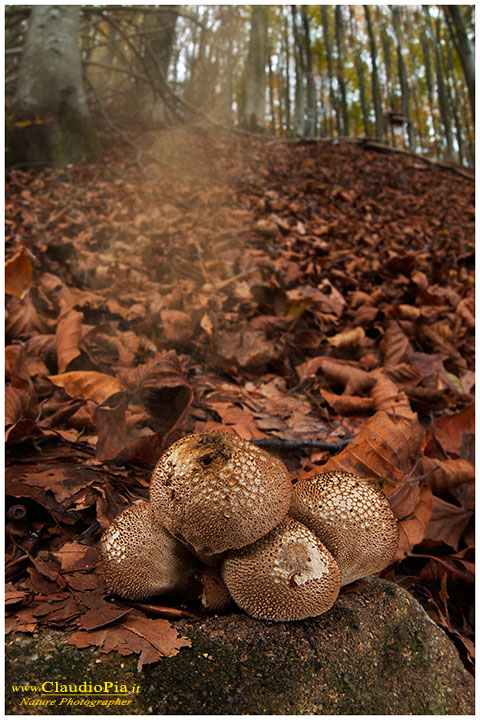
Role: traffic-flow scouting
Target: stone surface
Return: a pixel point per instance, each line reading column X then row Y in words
column 375, row 652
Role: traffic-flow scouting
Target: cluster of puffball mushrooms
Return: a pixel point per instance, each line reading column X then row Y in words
column 224, row 522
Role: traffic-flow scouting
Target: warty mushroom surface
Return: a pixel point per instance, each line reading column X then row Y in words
column 351, row 517
column 215, row 491
column 286, row 575
column 139, row 558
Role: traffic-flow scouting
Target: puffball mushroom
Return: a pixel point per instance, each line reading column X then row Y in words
column 215, row 491
column 139, row 558
column 286, row 575
column 351, row 517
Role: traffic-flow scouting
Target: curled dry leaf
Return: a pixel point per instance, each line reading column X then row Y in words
column 387, row 398
column 88, row 385
column 68, row 338
column 352, row 378
column 18, row 274
column 347, row 404
column 348, row 338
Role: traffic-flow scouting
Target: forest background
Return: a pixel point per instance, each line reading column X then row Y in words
column 253, row 218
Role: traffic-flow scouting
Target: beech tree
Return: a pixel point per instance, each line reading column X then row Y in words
column 255, row 81
column 49, row 119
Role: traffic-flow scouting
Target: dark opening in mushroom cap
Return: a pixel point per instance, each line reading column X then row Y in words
column 286, row 575
column 351, row 517
column 216, row 491
column 139, row 558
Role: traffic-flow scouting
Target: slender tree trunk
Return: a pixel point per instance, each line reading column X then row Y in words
column 271, row 93
column 286, row 47
column 340, row 38
column 328, row 51
column 452, row 100
column 377, row 97
column 255, row 81
column 299, row 75
column 159, row 37
column 442, row 97
column 426, row 50
column 311, row 124
column 50, row 122
column 402, row 72
column 360, row 71
column 465, row 50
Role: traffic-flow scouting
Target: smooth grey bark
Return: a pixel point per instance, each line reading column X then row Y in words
column 311, row 119
column 340, row 39
column 50, row 91
column 376, row 94
column 465, row 50
column 255, row 80
column 402, row 72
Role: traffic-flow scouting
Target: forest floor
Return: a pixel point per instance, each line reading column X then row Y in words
column 292, row 293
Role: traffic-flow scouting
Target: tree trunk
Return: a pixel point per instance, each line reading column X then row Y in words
column 340, row 38
column 159, row 27
column 453, row 101
column 255, row 82
column 376, row 94
column 286, row 46
column 402, row 72
column 311, row 123
column 299, row 75
column 360, row 71
column 465, row 50
column 328, row 52
column 442, row 97
column 49, row 122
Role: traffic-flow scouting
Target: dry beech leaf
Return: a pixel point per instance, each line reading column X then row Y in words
column 22, row 318
column 385, row 449
column 455, row 433
column 387, row 398
column 347, row 404
column 444, row 475
column 395, row 345
column 178, row 326
column 447, row 522
column 18, row 274
column 88, row 385
column 413, row 529
column 348, row 338
column 352, row 378
column 68, row 337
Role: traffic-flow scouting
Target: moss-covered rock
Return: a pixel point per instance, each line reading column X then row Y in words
column 375, row 652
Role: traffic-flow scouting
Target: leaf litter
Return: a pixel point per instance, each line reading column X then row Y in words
column 288, row 292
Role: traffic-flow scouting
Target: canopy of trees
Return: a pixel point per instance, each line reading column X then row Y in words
column 401, row 74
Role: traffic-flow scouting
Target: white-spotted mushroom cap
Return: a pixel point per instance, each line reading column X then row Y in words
column 139, row 558
column 215, row 491
column 286, row 575
column 351, row 517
